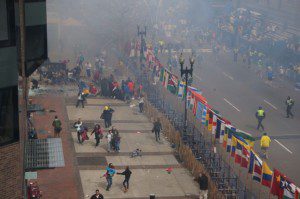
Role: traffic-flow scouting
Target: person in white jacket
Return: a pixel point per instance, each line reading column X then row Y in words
column 109, row 137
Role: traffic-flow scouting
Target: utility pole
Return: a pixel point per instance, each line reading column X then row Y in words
column 143, row 42
column 23, row 120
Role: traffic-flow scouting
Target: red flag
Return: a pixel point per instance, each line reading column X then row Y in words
column 246, row 156
column 276, row 188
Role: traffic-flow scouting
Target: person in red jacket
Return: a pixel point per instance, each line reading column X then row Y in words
column 131, row 88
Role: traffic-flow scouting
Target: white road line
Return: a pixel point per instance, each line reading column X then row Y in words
column 198, row 77
column 274, row 107
column 231, row 105
column 227, row 75
column 283, row 146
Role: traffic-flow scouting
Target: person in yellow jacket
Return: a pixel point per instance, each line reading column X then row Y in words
column 265, row 144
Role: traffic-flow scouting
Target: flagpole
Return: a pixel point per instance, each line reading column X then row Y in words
column 271, row 185
column 259, row 191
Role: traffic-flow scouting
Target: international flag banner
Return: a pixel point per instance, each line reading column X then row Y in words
column 207, row 118
column 246, row 136
column 289, row 190
column 214, row 124
column 283, row 187
column 172, row 83
column 266, row 175
column 162, row 74
column 199, row 111
column 222, row 133
column 229, row 133
column 218, row 128
column 225, row 139
column 238, row 154
column 245, row 156
column 233, row 146
column 204, row 113
column 192, row 102
column 166, row 78
column 257, row 171
column 181, row 89
column 210, row 120
column 251, row 162
column 297, row 193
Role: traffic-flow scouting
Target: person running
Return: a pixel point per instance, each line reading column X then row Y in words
column 156, row 129
column 80, row 99
column 110, row 172
column 57, row 126
column 265, row 144
column 260, row 115
column 97, row 195
column 98, row 134
column 78, row 126
column 289, row 105
column 127, row 173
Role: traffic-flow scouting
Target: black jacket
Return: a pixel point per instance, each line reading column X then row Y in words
column 127, row 173
column 156, row 127
column 203, row 182
column 95, row 197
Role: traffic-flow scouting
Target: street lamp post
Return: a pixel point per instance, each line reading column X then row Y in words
column 143, row 42
column 186, row 72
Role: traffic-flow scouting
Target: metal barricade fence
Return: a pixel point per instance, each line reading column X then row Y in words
column 197, row 139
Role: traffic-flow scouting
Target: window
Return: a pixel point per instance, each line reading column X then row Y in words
column 9, row 122
column 7, row 23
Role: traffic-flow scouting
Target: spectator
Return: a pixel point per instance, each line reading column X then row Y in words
column 156, row 129
column 80, row 99
column 110, row 113
column 110, row 172
column 106, row 115
column 98, row 134
column 127, row 173
column 203, row 185
column 88, row 66
column 97, row 195
column 57, row 126
column 78, row 125
column 109, row 138
column 141, row 104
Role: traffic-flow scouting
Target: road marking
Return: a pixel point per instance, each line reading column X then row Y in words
column 231, row 105
column 198, row 77
column 274, row 107
column 227, row 75
column 283, row 146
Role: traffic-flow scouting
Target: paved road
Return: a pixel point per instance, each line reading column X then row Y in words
column 237, row 92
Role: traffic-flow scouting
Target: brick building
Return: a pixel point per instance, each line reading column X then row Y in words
column 13, row 132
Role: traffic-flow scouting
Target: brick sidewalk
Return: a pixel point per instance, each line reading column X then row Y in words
column 62, row 182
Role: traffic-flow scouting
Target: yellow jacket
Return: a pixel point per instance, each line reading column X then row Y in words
column 265, row 141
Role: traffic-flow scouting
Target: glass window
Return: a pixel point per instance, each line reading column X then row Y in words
column 9, row 125
column 3, row 21
column 7, row 23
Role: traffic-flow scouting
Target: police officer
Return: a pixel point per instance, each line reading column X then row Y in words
column 260, row 115
column 289, row 104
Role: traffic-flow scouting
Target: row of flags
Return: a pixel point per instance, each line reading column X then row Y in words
column 239, row 144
